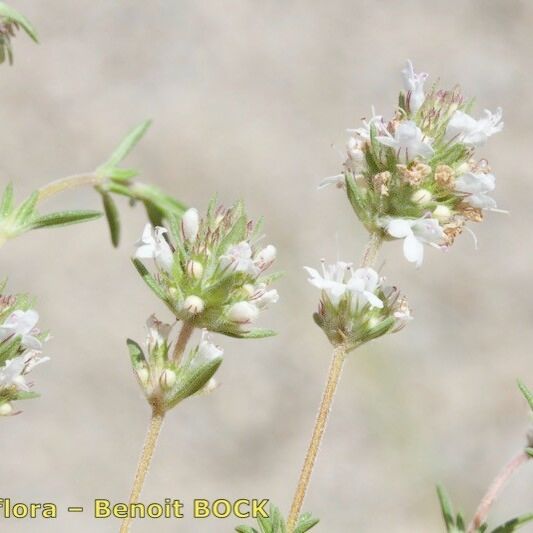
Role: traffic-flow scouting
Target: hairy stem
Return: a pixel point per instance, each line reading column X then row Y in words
column 144, row 462
column 495, row 489
column 335, row 370
column 183, row 338
column 68, row 183
column 334, row 374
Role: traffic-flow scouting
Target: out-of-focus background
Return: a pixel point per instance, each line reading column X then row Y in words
column 250, row 99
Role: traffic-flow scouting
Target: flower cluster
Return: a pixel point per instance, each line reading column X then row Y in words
column 415, row 177
column 210, row 271
column 355, row 307
column 165, row 375
column 20, row 349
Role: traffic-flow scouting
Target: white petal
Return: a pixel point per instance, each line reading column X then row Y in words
column 399, row 228
column 413, row 250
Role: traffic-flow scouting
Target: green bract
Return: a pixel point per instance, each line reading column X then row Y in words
column 275, row 523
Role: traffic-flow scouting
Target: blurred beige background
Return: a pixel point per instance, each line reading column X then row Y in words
column 247, row 100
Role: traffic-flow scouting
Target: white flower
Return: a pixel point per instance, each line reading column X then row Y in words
column 265, row 257
column 364, row 132
column 194, row 269
column 415, row 233
column 414, row 85
column 331, row 281
column 21, row 323
column 243, row 312
column 153, row 245
column 408, row 142
column 476, row 186
column 238, row 258
column 262, row 298
column 338, row 180
column 467, row 130
column 362, row 286
column 14, row 370
column 158, row 332
column 207, row 351
column 190, row 223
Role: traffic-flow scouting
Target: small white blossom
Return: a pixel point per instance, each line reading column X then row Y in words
column 167, row 379
column 207, row 351
column 262, row 298
column 416, row 233
column 477, row 186
column 331, row 281
column 362, row 286
column 265, row 257
column 408, row 141
column 364, row 132
column 338, row 181
column 414, row 85
column 190, row 223
column 6, row 409
column 14, row 370
column 153, row 245
column 158, row 332
column 243, row 312
column 23, row 324
column 195, row 269
column 467, row 130
column 238, row 258
column 194, row 305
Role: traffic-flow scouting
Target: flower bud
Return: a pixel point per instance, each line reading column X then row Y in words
column 243, row 312
column 193, row 305
column 6, row 409
column 421, row 197
column 442, row 213
column 144, row 375
column 195, row 269
column 266, row 257
column 167, row 379
column 190, row 223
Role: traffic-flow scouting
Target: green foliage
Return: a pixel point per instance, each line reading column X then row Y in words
column 10, row 22
column 528, row 395
column 15, row 220
column 275, row 523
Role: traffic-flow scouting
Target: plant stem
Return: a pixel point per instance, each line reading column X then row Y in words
column 334, row 374
column 68, row 183
column 144, row 462
column 495, row 489
column 183, row 338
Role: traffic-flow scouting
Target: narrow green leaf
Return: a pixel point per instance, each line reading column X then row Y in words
column 136, row 353
column 112, row 216
column 127, row 144
column 26, row 395
column 64, row 218
column 446, row 508
column 246, row 529
column 195, row 381
column 26, row 209
column 7, row 201
column 149, row 279
column 256, row 333
column 514, row 524
column 305, row 524
column 528, row 395
column 10, row 13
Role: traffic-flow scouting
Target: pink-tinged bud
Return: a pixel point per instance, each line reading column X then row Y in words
column 167, row 379
column 243, row 312
column 190, row 223
column 193, row 304
column 266, row 257
column 6, row 409
column 195, row 269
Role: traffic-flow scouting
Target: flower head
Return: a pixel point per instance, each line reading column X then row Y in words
column 354, row 307
column 206, row 281
column 467, row 130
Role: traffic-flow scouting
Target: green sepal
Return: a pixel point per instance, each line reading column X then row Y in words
column 26, row 395
column 113, row 217
column 26, row 210
column 194, row 381
column 64, row 218
column 514, row 524
column 7, row 201
column 305, row 523
column 149, row 279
